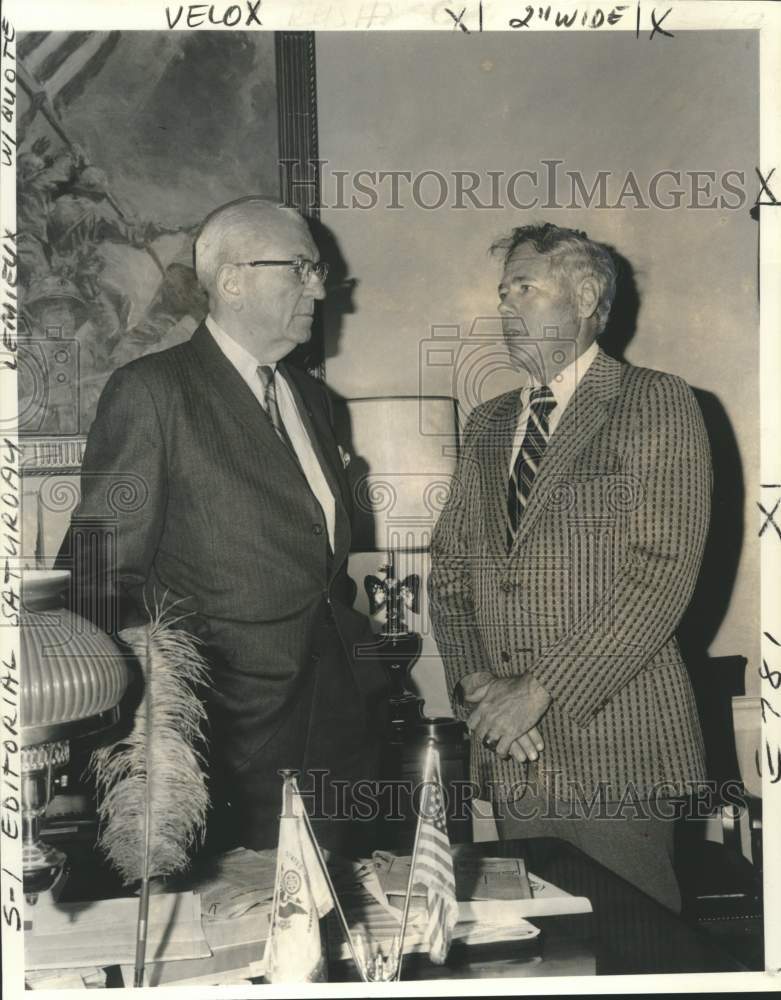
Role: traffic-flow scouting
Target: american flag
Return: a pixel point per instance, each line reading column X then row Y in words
column 434, row 867
column 60, row 64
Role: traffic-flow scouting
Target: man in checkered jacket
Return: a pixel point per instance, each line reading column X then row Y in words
column 561, row 567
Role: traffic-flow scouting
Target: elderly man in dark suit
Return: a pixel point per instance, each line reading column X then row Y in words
column 241, row 514
column 561, row 567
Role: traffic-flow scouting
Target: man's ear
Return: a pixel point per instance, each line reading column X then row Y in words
column 588, row 297
column 227, row 285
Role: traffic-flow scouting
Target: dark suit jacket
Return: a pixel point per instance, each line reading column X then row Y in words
column 589, row 598
column 192, row 497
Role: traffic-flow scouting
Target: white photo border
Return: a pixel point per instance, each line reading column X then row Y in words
column 394, row 15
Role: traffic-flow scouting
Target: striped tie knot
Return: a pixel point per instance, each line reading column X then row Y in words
column 266, row 375
column 528, row 459
column 542, row 401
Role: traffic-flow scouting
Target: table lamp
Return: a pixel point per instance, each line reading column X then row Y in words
column 404, row 451
column 73, row 678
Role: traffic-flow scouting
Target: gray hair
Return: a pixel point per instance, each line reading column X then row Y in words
column 226, row 231
column 572, row 254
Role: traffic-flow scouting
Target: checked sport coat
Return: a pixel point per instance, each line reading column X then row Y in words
column 589, row 597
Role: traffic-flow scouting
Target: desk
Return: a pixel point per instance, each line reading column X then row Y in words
column 627, row 934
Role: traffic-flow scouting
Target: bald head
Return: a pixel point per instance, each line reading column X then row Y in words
column 269, row 309
column 233, row 229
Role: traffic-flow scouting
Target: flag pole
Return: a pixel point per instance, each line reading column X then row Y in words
column 408, row 896
column 326, row 873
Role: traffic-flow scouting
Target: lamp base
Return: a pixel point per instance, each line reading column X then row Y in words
column 406, row 712
column 401, row 768
column 399, row 652
column 42, row 866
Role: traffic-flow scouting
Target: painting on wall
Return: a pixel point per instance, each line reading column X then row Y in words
column 126, row 141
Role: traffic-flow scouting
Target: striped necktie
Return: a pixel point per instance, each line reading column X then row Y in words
column 541, row 403
column 266, row 376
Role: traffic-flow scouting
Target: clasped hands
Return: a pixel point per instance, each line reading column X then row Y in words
column 506, row 714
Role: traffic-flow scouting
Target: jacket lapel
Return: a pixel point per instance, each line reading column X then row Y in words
column 497, row 432
column 585, row 414
column 328, row 457
column 236, row 394
column 242, row 404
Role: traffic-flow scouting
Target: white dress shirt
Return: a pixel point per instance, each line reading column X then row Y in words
column 563, row 388
column 247, row 366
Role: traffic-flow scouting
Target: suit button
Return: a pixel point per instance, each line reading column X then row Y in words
column 506, row 586
column 505, row 656
column 317, row 529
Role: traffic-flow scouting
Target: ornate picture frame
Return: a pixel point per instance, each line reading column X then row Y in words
column 53, row 354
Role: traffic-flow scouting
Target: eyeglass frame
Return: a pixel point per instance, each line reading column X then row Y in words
column 317, row 267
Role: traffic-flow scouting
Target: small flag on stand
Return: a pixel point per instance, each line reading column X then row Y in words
column 301, row 897
column 431, row 857
column 435, row 866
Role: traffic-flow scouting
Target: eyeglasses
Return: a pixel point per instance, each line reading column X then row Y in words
column 301, row 266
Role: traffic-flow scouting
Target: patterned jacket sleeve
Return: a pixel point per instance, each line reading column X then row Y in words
column 452, row 608
column 628, row 622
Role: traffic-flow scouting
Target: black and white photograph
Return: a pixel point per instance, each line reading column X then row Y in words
column 391, row 503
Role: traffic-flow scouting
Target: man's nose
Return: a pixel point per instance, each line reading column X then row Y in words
column 315, row 287
column 505, row 309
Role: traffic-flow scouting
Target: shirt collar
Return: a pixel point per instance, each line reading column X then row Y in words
column 564, row 385
column 239, row 357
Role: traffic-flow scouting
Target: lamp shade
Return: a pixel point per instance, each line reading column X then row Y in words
column 402, row 456
column 73, row 675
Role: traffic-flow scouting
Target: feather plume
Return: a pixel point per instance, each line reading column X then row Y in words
column 152, row 786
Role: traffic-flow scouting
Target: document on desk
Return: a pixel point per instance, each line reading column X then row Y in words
column 235, row 882
column 490, row 878
column 489, row 920
column 476, row 877
column 548, row 900
column 72, row 935
column 479, row 922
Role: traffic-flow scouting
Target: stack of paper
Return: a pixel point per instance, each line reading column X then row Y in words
column 235, row 882
column 482, row 922
column 65, row 979
column 235, row 944
column 101, row 933
column 367, row 909
column 218, row 934
column 376, row 922
column 477, row 924
column 548, row 900
column 236, row 891
column 496, row 886
column 213, row 935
